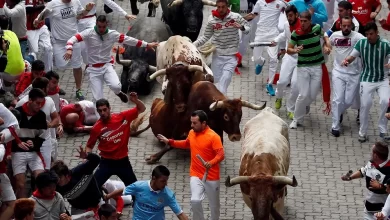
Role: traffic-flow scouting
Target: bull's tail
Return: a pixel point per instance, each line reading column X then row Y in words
column 134, row 132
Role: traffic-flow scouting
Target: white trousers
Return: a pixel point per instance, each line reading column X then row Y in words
column 40, row 38
column 83, row 24
column 309, row 80
column 369, row 215
column 100, row 75
column 367, row 90
column 7, row 192
column 246, row 38
column 59, row 51
column 267, row 35
column 198, row 191
column 288, row 74
column 46, row 151
column 345, row 89
column 330, row 8
column 223, row 69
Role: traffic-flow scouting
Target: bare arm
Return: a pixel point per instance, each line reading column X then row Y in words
column 182, row 216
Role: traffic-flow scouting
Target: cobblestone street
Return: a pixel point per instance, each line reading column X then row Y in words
column 317, row 158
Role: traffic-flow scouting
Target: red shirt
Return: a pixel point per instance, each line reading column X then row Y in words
column 31, row 16
column 386, row 26
column 67, row 109
column 24, row 81
column 295, row 26
column 362, row 9
column 113, row 136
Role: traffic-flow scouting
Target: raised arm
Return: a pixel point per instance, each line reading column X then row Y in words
column 208, row 33
column 15, row 12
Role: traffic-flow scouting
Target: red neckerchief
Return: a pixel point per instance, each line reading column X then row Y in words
column 56, row 90
column 299, row 31
column 295, row 26
column 269, row 1
column 38, row 195
column 27, row 110
column 215, row 13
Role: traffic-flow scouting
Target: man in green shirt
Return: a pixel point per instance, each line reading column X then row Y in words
column 374, row 52
column 306, row 41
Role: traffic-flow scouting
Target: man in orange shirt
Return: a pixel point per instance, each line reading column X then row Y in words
column 205, row 142
column 113, row 133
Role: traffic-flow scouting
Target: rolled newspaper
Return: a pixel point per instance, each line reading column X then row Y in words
column 260, row 44
column 207, row 169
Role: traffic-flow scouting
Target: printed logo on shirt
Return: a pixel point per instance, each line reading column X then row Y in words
column 113, row 135
column 67, row 13
column 160, row 200
column 217, row 26
column 342, row 42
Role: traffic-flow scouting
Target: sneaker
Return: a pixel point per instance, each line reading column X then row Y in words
column 362, row 138
column 358, row 117
column 270, row 90
column 62, row 92
column 335, row 133
column 259, row 68
column 79, row 95
column 278, row 103
column 384, row 136
column 294, row 124
column 123, row 97
column 290, row 115
column 307, row 109
column 341, row 118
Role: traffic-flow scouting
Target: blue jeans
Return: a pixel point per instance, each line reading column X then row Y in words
column 24, row 48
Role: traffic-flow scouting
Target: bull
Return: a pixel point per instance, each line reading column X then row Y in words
column 265, row 160
column 137, row 62
column 178, row 57
column 224, row 115
column 184, row 17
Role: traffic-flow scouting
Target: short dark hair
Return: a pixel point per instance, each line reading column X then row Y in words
column 224, row 1
column 382, row 150
column 45, row 179
column 346, row 18
column 8, row 99
column 102, row 102
column 60, row 168
column 160, row 171
column 370, row 26
column 106, row 210
column 201, row 114
column 23, row 207
column 35, row 94
column 305, row 14
column 101, row 18
column 52, row 74
column 37, row 65
column 345, row 4
column 4, row 22
column 291, row 8
column 40, row 83
column 17, row 114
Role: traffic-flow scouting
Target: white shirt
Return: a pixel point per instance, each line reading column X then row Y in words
column 48, row 108
column 269, row 12
column 343, row 46
column 18, row 18
column 90, row 113
column 63, row 19
column 100, row 46
column 8, row 118
column 386, row 208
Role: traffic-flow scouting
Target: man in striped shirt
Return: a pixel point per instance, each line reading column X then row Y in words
column 222, row 27
column 374, row 52
column 306, row 42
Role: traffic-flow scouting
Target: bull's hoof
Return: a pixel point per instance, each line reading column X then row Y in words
column 152, row 159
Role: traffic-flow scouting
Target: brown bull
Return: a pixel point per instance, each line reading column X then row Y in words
column 224, row 115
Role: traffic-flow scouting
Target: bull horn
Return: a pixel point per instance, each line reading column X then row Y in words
column 175, row 2
column 215, row 105
column 156, row 74
column 152, row 69
column 193, row 68
column 236, row 180
column 121, row 62
column 210, row 3
column 253, row 106
column 285, row 180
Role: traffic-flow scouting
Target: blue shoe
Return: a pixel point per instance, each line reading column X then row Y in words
column 259, row 68
column 270, row 90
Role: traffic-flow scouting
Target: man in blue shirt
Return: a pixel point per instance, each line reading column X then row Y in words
column 316, row 8
column 151, row 196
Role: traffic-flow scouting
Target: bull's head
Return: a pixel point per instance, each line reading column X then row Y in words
column 263, row 192
column 181, row 78
column 231, row 111
column 193, row 12
column 138, row 71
